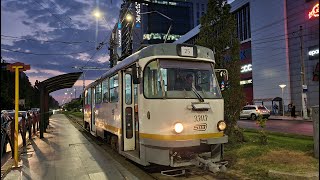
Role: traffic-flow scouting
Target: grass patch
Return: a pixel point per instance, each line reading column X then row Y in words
column 284, row 152
column 76, row 114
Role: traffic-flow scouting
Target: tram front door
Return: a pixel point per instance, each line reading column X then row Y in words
column 128, row 120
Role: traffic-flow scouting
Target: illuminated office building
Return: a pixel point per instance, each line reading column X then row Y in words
column 270, row 54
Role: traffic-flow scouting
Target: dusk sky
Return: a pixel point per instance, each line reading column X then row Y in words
column 55, row 35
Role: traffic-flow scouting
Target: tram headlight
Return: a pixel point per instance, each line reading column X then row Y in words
column 221, row 125
column 178, row 128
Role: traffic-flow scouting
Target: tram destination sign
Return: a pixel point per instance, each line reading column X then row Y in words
column 186, row 50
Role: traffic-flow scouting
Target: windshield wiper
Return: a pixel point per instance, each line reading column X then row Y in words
column 197, row 94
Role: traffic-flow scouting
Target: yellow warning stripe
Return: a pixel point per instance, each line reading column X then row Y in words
column 112, row 128
column 180, row 137
column 168, row 137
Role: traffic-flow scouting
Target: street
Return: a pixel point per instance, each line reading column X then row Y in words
column 285, row 126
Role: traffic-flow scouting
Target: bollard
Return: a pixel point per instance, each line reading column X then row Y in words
column 315, row 119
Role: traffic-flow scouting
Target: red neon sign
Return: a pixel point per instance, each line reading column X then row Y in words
column 314, row 12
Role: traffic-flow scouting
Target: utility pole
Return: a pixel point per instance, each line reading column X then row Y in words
column 304, row 87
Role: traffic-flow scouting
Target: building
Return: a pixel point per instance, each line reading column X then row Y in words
column 270, row 50
column 153, row 22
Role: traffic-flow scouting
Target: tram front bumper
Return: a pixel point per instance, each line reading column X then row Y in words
column 160, row 152
column 183, row 143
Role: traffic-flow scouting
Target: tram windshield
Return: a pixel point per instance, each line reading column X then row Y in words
column 180, row 80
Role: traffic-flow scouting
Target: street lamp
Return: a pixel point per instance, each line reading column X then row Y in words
column 282, row 86
column 129, row 17
column 97, row 13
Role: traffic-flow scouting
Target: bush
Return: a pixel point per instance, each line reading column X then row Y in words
column 75, row 110
column 236, row 135
column 263, row 137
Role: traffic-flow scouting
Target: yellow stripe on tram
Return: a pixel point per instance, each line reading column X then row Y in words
column 112, row 128
column 180, row 137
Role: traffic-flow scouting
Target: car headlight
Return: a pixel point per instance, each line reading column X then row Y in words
column 221, row 125
column 178, row 127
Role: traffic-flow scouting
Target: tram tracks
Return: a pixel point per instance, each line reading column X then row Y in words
column 129, row 165
column 151, row 172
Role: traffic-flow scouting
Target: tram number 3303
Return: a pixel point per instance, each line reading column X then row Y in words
column 199, row 118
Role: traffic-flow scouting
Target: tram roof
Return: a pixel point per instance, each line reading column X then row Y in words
column 164, row 49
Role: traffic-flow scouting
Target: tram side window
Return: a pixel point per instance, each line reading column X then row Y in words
column 152, row 85
column 114, row 94
column 86, row 97
column 105, row 90
column 89, row 96
column 98, row 94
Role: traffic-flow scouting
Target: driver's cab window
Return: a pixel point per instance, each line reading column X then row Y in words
column 180, row 79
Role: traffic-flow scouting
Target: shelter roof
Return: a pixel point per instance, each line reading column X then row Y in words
column 61, row 82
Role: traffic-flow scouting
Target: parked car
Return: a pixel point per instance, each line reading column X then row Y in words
column 253, row 111
column 21, row 113
column 3, row 111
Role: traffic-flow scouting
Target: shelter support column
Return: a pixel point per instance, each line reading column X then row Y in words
column 42, row 111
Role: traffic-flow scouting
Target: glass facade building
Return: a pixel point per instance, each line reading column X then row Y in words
column 273, row 50
column 151, row 23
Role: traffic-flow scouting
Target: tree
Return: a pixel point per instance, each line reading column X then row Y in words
column 74, row 105
column 30, row 94
column 218, row 32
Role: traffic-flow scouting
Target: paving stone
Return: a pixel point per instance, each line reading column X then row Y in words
column 65, row 153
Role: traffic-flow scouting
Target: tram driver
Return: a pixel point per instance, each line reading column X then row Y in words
column 189, row 84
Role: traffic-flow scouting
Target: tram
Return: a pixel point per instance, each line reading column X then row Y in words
column 161, row 105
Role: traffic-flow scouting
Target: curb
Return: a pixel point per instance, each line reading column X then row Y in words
column 302, row 120
column 293, row 176
column 7, row 166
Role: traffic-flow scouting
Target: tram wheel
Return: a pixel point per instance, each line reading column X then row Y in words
column 114, row 143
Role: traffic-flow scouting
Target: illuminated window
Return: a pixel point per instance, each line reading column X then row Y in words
column 98, row 94
column 105, row 90
column 114, row 90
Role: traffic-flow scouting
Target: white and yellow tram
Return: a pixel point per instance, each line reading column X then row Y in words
column 160, row 105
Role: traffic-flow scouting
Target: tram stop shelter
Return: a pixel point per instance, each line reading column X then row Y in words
column 272, row 100
column 48, row 86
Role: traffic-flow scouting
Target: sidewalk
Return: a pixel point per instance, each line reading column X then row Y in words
column 64, row 153
column 297, row 118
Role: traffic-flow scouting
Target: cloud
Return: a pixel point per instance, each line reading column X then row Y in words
column 83, row 56
column 103, row 59
column 59, row 21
